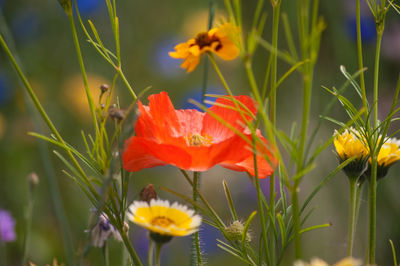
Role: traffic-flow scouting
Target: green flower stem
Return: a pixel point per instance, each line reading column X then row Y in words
column 195, row 253
column 275, row 29
column 158, row 254
column 355, row 189
column 360, row 56
column 134, row 256
column 106, row 255
column 296, row 218
column 374, row 154
column 372, row 212
column 83, row 71
column 252, row 81
column 226, row 86
column 376, row 74
column 260, row 203
column 150, row 253
column 126, row 82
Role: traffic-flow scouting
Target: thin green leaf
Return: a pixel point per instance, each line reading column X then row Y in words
column 246, row 228
column 229, row 200
column 393, row 252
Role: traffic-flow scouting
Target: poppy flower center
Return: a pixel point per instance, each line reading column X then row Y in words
column 162, row 221
column 198, row 140
column 203, row 39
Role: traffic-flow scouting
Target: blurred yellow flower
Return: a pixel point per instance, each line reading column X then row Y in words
column 74, row 95
column 348, row 262
column 160, row 217
column 347, row 145
column 313, row 262
column 217, row 40
column 318, row 262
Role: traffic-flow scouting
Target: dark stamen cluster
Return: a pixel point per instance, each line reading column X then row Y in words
column 203, row 39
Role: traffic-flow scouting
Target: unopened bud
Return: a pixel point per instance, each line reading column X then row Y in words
column 116, row 114
column 66, row 5
column 104, row 88
column 235, row 231
column 148, row 193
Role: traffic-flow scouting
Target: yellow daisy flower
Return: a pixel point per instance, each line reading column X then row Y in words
column 161, row 218
column 347, row 145
column 387, row 156
column 217, row 40
column 389, row 153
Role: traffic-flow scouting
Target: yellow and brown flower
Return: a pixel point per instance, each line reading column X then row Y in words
column 217, row 40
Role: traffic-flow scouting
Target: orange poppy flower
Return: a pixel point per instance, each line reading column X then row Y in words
column 193, row 140
column 217, row 40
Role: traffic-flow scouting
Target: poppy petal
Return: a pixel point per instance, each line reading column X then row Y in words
column 265, row 167
column 144, row 153
column 205, row 157
column 217, row 130
column 191, row 120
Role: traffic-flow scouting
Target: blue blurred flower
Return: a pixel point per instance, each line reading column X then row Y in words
column 7, row 224
column 141, row 242
column 368, row 29
column 264, row 185
column 88, row 7
column 196, row 94
column 162, row 62
column 208, row 238
column 25, row 25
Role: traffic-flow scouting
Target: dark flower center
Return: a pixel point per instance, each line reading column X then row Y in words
column 203, row 40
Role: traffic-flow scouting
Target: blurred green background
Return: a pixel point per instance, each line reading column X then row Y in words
column 149, row 30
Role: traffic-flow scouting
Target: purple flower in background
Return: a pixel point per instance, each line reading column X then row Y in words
column 7, row 224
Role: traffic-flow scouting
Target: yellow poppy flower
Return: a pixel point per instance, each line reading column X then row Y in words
column 347, row 145
column 217, row 40
column 161, row 218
